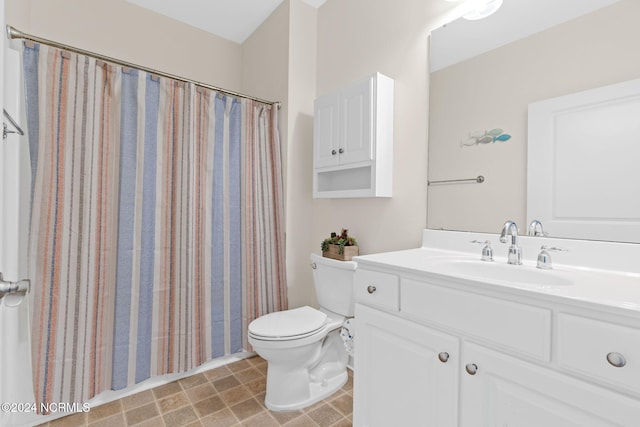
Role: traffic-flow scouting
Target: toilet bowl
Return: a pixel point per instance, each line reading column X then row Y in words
column 305, row 353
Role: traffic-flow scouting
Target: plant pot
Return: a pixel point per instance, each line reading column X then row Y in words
column 333, row 252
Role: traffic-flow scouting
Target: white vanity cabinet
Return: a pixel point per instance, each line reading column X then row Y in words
column 353, row 140
column 413, row 372
column 514, row 359
column 501, row 390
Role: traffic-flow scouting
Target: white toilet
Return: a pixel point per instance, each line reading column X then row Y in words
column 306, row 356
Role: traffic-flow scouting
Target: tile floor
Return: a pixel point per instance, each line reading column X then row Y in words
column 231, row 395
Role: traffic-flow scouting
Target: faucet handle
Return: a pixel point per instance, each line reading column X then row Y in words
column 487, row 250
column 544, row 259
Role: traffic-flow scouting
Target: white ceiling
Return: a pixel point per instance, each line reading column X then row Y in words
column 234, row 20
column 516, row 19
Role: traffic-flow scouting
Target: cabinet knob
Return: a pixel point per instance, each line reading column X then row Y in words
column 443, row 357
column 341, row 151
column 471, row 368
column 616, row 359
column 371, row 289
column 333, row 152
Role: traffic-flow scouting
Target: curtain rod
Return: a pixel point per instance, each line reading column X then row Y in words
column 13, row 33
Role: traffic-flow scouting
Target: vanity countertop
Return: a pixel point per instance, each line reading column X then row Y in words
column 596, row 283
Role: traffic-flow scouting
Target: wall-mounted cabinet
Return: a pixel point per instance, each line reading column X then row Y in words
column 353, row 140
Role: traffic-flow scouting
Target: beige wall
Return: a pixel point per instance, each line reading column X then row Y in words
column 128, row 32
column 279, row 62
column 328, row 48
column 265, row 57
column 298, row 53
column 356, row 38
column 493, row 91
column 302, row 81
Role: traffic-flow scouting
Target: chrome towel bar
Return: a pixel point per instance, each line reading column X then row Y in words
column 479, row 179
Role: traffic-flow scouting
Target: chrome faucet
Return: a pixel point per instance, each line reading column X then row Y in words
column 535, row 228
column 515, row 252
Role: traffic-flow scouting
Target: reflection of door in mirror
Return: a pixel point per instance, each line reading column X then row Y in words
column 493, row 90
column 583, row 173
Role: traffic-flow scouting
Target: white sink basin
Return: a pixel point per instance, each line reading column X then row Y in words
column 501, row 272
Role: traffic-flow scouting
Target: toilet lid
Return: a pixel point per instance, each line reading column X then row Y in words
column 288, row 323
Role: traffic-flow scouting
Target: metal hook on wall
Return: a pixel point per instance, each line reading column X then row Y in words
column 5, row 128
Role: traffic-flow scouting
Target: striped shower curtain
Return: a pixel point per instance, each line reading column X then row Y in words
column 156, row 225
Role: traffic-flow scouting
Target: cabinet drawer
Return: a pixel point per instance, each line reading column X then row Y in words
column 584, row 345
column 515, row 326
column 377, row 289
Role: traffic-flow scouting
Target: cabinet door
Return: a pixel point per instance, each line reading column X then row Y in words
column 325, row 129
column 508, row 392
column 399, row 377
column 356, row 124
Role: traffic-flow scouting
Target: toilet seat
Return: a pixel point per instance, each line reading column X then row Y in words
column 292, row 324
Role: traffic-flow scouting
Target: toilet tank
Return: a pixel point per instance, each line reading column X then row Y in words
column 334, row 282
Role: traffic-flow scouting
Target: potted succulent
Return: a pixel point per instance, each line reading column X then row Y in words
column 340, row 246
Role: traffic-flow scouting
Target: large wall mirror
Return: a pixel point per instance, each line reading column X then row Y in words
column 485, row 74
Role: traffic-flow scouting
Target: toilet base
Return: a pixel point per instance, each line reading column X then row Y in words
column 317, row 392
column 302, row 372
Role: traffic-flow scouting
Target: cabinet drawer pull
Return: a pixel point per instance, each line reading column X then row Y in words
column 444, row 357
column 471, row 368
column 371, row 289
column 616, row 359
column 341, row 151
column 333, row 152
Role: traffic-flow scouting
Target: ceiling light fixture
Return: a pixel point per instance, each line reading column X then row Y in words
column 476, row 9
column 482, row 8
